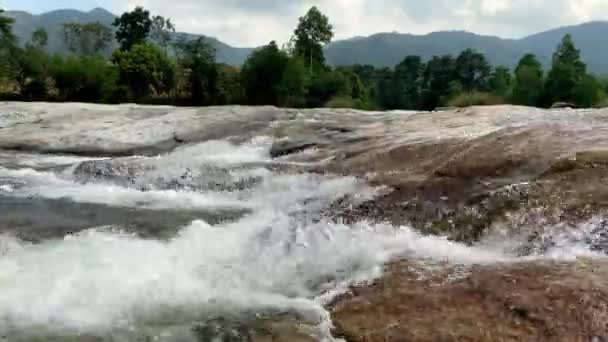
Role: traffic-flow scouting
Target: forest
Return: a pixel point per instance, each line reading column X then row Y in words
column 154, row 65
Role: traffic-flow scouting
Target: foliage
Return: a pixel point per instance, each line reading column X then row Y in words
column 408, row 83
column 86, row 39
column 197, row 61
column 588, row 92
column 312, row 32
column 262, row 75
column 133, row 28
column 294, row 84
column 295, row 76
column 528, row 82
column 475, row 98
column 86, row 79
column 229, row 88
column 500, row 81
column 567, row 71
column 144, row 70
column 161, row 31
column 326, row 86
column 8, row 44
column 472, row 70
column 39, row 38
column 439, row 81
column 31, row 66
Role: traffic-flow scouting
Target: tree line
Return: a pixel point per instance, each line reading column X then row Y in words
column 154, row 65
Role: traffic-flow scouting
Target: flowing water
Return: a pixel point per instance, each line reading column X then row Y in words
column 156, row 248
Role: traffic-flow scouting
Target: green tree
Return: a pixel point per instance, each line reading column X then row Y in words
column 384, row 92
column 31, row 67
column 262, row 75
column 408, row 79
column 528, row 81
column 86, row 39
column 39, row 38
column 588, row 92
column 566, row 72
column 161, row 31
column 439, row 82
column 8, row 45
column 197, row 59
column 133, row 28
column 31, row 72
column 293, row 87
column 144, row 69
column 86, row 79
column 472, row 70
column 328, row 85
column 229, row 88
column 312, row 32
column 500, row 81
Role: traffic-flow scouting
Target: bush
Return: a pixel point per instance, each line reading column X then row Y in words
column 475, row 99
column 347, row 102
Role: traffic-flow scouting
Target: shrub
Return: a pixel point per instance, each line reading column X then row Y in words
column 347, row 102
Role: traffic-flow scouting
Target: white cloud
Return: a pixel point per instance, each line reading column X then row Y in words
column 255, row 22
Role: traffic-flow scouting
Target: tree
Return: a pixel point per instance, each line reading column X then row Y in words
column 293, row 87
column 528, row 81
column 472, row 70
column 144, row 69
column 197, row 59
column 500, row 81
column 31, row 67
column 31, row 72
column 86, row 39
column 587, row 92
column 438, row 80
column 384, row 92
column 312, row 32
column 8, row 45
column 328, row 85
column 262, row 74
column 566, row 72
column 161, row 31
column 229, row 88
column 408, row 82
column 39, row 38
column 132, row 28
column 85, row 78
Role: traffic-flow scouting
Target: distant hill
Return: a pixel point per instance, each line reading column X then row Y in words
column 382, row 49
column 388, row 49
column 26, row 23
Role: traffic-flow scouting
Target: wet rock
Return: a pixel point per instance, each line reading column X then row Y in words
column 290, row 146
column 519, row 302
column 144, row 175
column 559, row 105
column 37, row 219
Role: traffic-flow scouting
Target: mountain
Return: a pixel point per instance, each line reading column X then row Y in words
column 388, row 49
column 382, row 49
column 26, row 23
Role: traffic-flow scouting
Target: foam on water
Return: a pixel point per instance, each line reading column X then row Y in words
column 99, row 280
column 283, row 256
column 49, row 185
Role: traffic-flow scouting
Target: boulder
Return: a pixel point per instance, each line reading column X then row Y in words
column 519, row 302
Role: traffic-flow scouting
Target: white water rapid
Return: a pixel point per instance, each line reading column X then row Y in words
column 276, row 251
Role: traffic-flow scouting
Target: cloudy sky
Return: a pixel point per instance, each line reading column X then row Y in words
column 256, row 22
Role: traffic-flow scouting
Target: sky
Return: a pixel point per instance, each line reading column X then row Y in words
column 256, row 22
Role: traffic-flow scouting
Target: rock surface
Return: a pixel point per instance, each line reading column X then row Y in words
column 471, row 174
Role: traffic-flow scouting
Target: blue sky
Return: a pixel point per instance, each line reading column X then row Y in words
column 255, row 22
